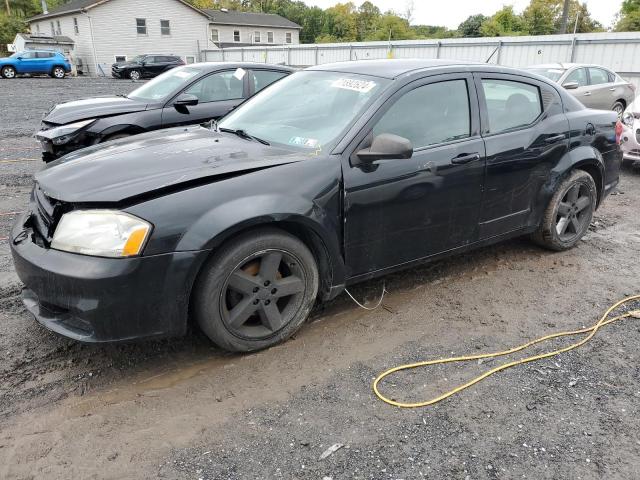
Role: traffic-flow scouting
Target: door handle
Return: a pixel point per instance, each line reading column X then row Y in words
column 586, row 94
column 555, row 138
column 612, row 89
column 465, row 158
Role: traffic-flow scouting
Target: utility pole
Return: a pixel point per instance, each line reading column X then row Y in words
column 565, row 17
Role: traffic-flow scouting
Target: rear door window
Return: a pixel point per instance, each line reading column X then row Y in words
column 598, row 76
column 431, row 114
column 44, row 54
column 510, row 104
column 264, row 78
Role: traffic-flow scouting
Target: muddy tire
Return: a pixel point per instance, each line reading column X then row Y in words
column 569, row 213
column 8, row 72
column 256, row 291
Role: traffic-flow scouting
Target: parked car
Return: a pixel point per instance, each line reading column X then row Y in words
column 35, row 62
column 631, row 133
column 145, row 66
column 595, row 86
column 331, row 176
column 184, row 95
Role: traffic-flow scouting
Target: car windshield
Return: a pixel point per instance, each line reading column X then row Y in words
column 553, row 74
column 306, row 110
column 163, row 85
column 138, row 58
column 16, row 55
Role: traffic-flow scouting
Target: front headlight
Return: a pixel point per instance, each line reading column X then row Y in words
column 102, row 233
column 627, row 119
column 64, row 133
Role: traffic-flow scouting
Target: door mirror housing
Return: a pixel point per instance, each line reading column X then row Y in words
column 386, row 146
column 186, row 100
column 571, row 85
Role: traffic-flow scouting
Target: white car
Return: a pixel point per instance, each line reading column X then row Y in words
column 630, row 139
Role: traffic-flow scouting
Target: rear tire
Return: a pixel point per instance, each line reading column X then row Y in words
column 569, row 213
column 618, row 107
column 8, row 72
column 58, row 72
column 256, row 291
column 135, row 75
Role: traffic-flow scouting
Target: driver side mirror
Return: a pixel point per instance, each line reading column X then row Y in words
column 571, row 85
column 186, row 100
column 386, row 146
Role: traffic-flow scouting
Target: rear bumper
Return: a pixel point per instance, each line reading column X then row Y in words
column 92, row 299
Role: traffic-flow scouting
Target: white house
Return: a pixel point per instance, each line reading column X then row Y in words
column 106, row 31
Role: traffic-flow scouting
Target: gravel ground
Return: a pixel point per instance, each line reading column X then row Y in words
column 179, row 408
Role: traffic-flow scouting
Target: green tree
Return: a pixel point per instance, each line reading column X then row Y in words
column 390, row 26
column 341, row 22
column 541, row 16
column 368, row 15
column 629, row 16
column 471, row 26
column 504, row 22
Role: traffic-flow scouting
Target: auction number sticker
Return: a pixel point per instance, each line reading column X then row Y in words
column 304, row 142
column 362, row 86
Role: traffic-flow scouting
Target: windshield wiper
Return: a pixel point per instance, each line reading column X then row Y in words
column 242, row 134
column 121, row 95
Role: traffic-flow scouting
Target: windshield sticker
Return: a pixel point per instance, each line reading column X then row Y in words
column 239, row 73
column 362, row 86
column 303, row 142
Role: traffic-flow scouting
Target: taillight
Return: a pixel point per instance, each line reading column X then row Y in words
column 618, row 131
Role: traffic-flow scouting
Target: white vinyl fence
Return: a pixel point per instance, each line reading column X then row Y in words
column 618, row 51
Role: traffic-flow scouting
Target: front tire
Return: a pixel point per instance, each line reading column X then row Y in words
column 569, row 213
column 135, row 75
column 256, row 291
column 8, row 72
column 58, row 72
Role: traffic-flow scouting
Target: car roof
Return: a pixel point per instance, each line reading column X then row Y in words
column 211, row 66
column 565, row 65
column 387, row 68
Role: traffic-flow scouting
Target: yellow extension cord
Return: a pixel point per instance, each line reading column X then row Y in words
column 604, row 320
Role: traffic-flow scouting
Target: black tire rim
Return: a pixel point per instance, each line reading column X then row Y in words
column 263, row 294
column 574, row 212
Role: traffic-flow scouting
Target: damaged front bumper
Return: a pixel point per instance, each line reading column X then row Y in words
column 94, row 299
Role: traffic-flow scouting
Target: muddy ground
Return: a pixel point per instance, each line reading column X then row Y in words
column 179, row 408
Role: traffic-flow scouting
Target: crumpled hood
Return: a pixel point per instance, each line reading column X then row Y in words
column 92, row 108
column 159, row 160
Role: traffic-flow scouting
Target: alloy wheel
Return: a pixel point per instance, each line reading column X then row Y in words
column 8, row 72
column 134, row 75
column 263, row 294
column 58, row 72
column 573, row 212
column 619, row 109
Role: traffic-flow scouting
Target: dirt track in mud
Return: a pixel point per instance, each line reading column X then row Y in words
column 179, row 408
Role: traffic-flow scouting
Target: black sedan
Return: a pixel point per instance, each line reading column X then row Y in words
column 334, row 175
column 145, row 66
column 185, row 95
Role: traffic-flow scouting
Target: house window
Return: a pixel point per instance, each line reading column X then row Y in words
column 236, row 35
column 120, row 58
column 58, row 30
column 270, row 37
column 53, row 29
column 288, row 37
column 38, row 28
column 190, row 59
column 165, row 27
column 256, row 37
column 215, row 36
column 141, row 26
column 75, row 26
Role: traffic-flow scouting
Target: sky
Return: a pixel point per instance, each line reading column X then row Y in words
column 450, row 14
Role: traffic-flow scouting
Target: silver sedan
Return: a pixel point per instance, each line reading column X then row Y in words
column 595, row 86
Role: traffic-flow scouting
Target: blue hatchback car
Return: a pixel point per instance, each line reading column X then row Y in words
column 35, row 62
